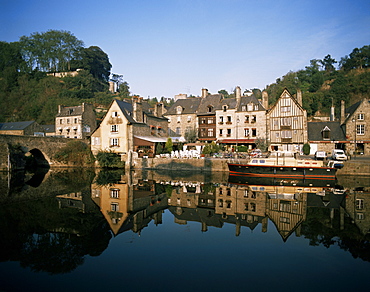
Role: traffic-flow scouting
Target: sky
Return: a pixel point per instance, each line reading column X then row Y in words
column 168, row 47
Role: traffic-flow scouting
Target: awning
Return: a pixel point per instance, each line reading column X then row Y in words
column 152, row 139
column 234, row 141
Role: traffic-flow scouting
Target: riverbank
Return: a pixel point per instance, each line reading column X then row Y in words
column 359, row 166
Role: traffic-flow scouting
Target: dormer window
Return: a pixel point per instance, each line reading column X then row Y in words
column 179, row 110
column 250, row 107
column 224, row 108
column 244, row 108
column 210, row 108
column 325, row 133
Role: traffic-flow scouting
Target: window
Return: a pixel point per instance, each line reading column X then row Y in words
column 189, row 119
column 220, row 132
column 179, row 110
column 114, row 207
column 75, row 120
column 359, row 204
column 285, row 109
column 361, row 117
column 360, row 129
column 228, row 132
column 256, row 107
column 114, row 128
column 224, row 108
column 114, row 114
column 178, row 131
column 254, row 132
column 179, row 119
column 210, row 108
column 250, row 107
column 284, row 220
column 253, row 207
column 286, row 134
column 326, row 134
column 254, row 119
column 67, row 121
column 246, row 132
column 220, row 203
column 286, row 122
column 61, row 121
column 114, row 142
column 246, row 119
column 95, row 141
column 228, row 120
column 360, row 216
column 114, row 193
column 244, row 108
column 210, row 121
column 285, row 206
column 221, row 120
column 210, row 132
column 228, row 204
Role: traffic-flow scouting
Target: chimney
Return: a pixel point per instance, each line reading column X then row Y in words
column 342, row 111
column 204, row 92
column 59, row 108
column 158, row 109
column 265, row 99
column 299, row 97
column 137, row 109
column 238, row 94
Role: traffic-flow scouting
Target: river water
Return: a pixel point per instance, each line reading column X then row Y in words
column 84, row 230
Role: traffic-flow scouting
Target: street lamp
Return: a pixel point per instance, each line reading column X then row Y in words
column 355, row 121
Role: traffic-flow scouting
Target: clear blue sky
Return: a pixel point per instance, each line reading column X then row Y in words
column 167, row 47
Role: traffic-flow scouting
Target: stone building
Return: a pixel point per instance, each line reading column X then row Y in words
column 240, row 120
column 287, row 123
column 27, row 128
column 127, row 127
column 356, row 121
column 75, row 121
column 182, row 116
column 325, row 136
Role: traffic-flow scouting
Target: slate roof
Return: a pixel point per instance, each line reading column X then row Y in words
column 315, row 128
column 70, row 111
column 213, row 100
column 15, row 125
column 189, row 106
column 350, row 110
column 48, row 128
column 250, row 99
column 126, row 109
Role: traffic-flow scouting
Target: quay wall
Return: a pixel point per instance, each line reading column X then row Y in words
column 351, row 167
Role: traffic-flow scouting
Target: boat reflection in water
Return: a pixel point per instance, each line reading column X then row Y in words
column 286, row 201
column 86, row 210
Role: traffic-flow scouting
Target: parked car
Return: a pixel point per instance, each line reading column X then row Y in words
column 338, row 154
column 320, row 155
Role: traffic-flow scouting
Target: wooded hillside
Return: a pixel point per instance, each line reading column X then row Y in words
column 27, row 92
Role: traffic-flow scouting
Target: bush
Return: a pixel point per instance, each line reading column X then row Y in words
column 306, row 149
column 211, row 148
column 75, row 152
column 108, row 159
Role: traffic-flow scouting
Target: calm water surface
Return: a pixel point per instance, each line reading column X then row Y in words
column 147, row 231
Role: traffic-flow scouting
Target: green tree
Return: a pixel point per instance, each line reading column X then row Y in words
column 169, row 145
column 50, row 51
column 191, row 135
column 95, row 61
column 328, row 63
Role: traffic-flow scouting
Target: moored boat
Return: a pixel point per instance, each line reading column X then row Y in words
column 282, row 165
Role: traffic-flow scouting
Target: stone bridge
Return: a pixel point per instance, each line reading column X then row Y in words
column 13, row 150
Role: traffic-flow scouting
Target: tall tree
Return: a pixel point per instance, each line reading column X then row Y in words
column 50, row 51
column 96, row 62
column 328, row 63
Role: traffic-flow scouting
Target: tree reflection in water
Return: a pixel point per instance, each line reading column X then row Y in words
column 51, row 226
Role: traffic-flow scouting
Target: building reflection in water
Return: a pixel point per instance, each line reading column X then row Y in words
column 133, row 201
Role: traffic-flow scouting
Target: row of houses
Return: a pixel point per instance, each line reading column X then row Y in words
column 132, row 125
